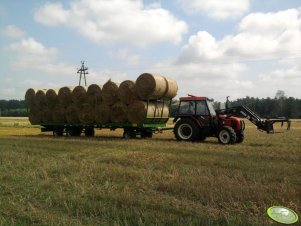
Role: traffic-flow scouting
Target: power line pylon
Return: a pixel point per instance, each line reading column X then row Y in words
column 83, row 71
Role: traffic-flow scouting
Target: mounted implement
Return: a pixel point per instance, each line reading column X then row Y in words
column 262, row 124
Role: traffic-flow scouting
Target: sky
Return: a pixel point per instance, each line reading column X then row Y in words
column 212, row 48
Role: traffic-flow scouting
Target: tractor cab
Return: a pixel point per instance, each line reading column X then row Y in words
column 197, row 119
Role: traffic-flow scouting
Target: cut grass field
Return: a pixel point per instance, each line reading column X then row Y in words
column 107, row 180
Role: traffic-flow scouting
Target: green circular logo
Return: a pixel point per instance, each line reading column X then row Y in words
column 282, row 215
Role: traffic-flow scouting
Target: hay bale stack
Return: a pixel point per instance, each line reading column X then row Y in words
column 72, row 112
column 102, row 113
column 119, row 113
column 79, row 95
column 139, row 109
column 52, row 97
column 171, row 89
column 30, row 97
column 150, row 86
column 65, row 95
column 59, row 114
column 86, row 114
column 110, row 93
column 34, row 118
column 46, row 115
column 127, row 92
column 94, row 94
column 41, row 98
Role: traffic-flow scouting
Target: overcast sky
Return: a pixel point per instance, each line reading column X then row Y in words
column 213, row 48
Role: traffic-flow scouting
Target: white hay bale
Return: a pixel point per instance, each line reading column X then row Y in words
column 139, row 110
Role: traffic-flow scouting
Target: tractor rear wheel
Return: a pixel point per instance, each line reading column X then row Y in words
column 187, row 130
column 226, row 135
column 240, row 136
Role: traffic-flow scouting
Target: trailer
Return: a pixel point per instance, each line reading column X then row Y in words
column 151, row 124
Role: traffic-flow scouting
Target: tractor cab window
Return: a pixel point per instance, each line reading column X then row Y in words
column 201, row 108
column 211, row 108
column 187, row 107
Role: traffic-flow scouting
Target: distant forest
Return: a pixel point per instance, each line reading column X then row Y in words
column 280, row 106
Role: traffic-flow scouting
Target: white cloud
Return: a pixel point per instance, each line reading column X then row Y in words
column 32, row 55
column 124, row 55
column 207, row 66
column 13, row 32
column 217, row 9
column 123, row 21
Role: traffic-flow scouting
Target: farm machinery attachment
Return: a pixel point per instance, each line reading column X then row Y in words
column 266, row 125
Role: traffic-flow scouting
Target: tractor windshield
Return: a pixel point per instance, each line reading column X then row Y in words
column 187, row 107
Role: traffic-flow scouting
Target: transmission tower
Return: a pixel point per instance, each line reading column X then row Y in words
column 83, row 71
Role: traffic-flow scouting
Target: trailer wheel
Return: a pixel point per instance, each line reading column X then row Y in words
column 129, row 133
column 74, row 131
column 187, row 130
column 58, row 132
column 202, row 138
column 89, row 132
column 240, row 136
column 227, row 135
column 146, row 134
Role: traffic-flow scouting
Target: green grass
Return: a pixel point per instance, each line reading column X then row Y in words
column 110, row 181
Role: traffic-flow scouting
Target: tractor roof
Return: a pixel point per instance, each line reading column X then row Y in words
column 190, row 97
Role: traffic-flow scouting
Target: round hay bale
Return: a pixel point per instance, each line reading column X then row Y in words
column 41, row 98
column 102, row 113
column 94, row 94
column 34, row 118
column 65, row 95
column 150, row 86
column 138, row 111
column 30, row 97
column 59, row 114
column 86, row 114
column 119, row 113
column 172, row 88
column 46, row 115
column 79, row 95
column 109, row 93
column 72, row 114
column 127, row 92
column 52, row 97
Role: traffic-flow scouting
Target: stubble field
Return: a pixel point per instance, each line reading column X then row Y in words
column 107, row 180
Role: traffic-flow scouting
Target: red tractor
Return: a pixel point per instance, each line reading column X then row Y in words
column 197, row 119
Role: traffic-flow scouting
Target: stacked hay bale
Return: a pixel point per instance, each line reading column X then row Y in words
column 96, row 104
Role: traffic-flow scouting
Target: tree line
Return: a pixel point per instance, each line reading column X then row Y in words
column 280, row 106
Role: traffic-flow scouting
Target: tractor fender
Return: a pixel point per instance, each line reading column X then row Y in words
column 187, row 116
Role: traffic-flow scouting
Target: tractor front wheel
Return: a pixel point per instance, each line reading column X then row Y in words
column 240, row 136
column 187, row 130
column 227, row 135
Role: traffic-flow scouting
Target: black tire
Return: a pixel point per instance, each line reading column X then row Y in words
column 240, row 136
column 146, row 134
column 58, row 132
column 187, row 130
column 74, row 131
column 89, row 132
column 129, row 133
column 226, row 135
